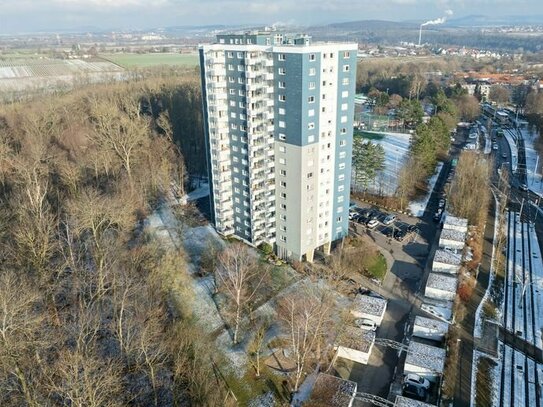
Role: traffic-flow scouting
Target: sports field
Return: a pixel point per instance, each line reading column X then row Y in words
column 147, row 60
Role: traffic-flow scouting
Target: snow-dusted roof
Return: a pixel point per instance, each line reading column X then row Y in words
column 447, row 257
column 357, row 338
column 332, row 391
column 451, row 234
column 454, row 221
column 370, row 305
column 426, row 356
column 407, row 402
column 442, row 282
column 433, row 324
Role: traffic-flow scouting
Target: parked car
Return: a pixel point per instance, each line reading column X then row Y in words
column 413, row 229
column 352, row 214
column 400, row 235
column 366, row 324
column 437, row 216
column 416, row 380
column 389, row 220
column 372, row 223
column 362, row 219
column 414, row 392
column 441, row 203
column 523, row 187
column 504, row 155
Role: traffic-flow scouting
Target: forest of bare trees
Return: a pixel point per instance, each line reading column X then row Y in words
column 86, row 315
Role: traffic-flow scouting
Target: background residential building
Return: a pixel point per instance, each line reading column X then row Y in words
column 278, row 113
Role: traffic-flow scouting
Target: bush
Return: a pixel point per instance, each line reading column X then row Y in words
column 266, row 248
column 464, row 291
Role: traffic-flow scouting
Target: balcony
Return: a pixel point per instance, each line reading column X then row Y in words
column 270, row 103
column 268, row 76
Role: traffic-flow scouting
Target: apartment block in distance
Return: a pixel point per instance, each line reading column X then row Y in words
column 278, row 113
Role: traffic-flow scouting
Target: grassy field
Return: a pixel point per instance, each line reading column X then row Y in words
column 147, row 60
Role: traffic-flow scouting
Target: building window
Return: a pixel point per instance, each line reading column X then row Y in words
column 281, row 57
column 283, row 172
column 341, row 188
column 344, row 106
column 346, row 68
column 310, row 139
column 241, row 81
column 341, row 177
column 240, row 54
column 311, row 112
column 283, row 206
column 345, row 81
column 343, row 130
column 282, row 137
column 282, row 110
column 346, row 54
column 282, row 98
column 283, row 238
column 342, row 154
column 232, row 103
column 339, row 219
column 283, row 228
column 241, row 92
column 282, row 85
column 342, row 143
column 340, row 199
column 282, row 149
column 231, row 79
column 331, row 55
column 233, row 126
column 282, row 71
column 312, row 71
column 232, row 92
column 311, row 99
column 230, row 54
column 310, row 126
column 309, row 175
column 283, row 184
column 343, row 119
column 283, row 217
column 230, row 67
column 282, row 161
column 345, row 94
column 311, row 85
column 341, row 166
column 312, row 57
column 283, row 195
column 282, row 124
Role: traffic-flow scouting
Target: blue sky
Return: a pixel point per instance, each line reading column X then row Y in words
column 34, row 15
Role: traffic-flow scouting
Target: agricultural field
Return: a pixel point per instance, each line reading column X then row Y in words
column 148, row 60
column 11, row 68
column 24, row 77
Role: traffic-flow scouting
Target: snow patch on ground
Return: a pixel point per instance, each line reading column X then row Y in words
column 534, row 179
column 417, row 208
column 396, row 146
column 477, row 330
column 511, row 140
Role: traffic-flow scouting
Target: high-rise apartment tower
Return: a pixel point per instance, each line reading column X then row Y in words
column 278, row 120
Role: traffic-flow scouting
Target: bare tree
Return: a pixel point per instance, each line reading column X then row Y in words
column 305, row 316
column 255, row 348
column 239, row 277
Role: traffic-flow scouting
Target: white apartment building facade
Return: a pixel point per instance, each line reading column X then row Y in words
column 278, row 118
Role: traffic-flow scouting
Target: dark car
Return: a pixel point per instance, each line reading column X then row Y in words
column 400, row 235
column 414, row 392
column 413, row 229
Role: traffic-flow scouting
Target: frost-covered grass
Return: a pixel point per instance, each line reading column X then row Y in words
column 487, row 380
